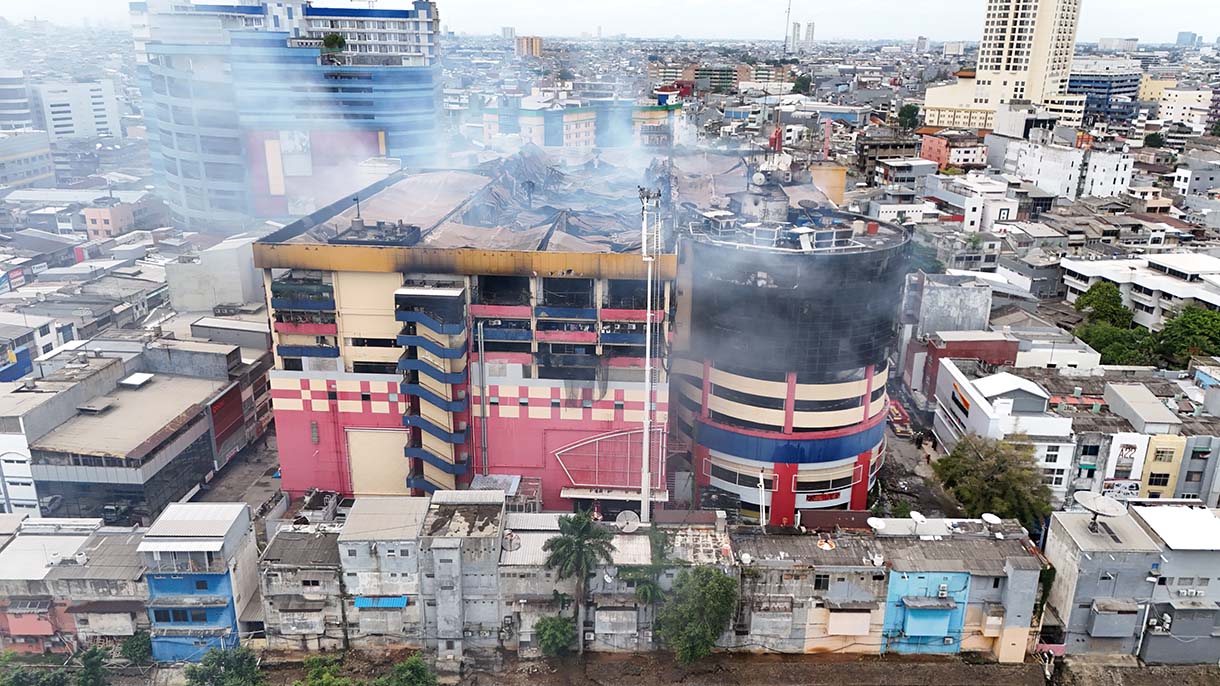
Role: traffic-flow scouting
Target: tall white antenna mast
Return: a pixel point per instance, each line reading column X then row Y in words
column 649, row 199
column 788, row 29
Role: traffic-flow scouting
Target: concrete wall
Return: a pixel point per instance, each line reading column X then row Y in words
column 953, row 308
column 222, row 274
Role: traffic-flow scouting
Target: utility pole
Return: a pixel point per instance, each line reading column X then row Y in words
column 649, row 199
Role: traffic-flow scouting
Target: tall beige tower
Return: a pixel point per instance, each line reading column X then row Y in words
column 1025, row 55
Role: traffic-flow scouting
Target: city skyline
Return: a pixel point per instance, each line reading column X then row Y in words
column 869, row 20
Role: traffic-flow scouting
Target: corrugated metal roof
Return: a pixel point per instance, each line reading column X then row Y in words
column 467, row 497
column 532, row 521
column 206, row 520
column 527, row 549
column 381, row 602
column 394, row 518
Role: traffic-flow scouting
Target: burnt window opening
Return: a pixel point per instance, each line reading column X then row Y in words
column 628, row 294
column 374, row 367
column 567, row 292
column 503, row 290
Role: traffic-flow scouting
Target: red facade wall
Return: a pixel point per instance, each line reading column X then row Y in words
column 990, row 352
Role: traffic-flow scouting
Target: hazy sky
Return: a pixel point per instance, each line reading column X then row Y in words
column 1153, row 21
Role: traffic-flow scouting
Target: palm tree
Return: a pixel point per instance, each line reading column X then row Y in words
column 579, row 548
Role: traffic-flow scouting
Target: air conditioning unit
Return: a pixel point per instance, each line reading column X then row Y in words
column 589, row 636
column 943, row 591
column 468, row 633
column 948, row 640
column 1183, row 592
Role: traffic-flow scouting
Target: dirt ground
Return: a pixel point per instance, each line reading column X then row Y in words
column 748, row 670
column 1097, row 675
column 907, row 476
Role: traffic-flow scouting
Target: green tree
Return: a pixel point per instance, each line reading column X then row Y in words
column 1104, row 303
column 697, row 612
column 137, row 648
column 1120, row 346
column 1154, row 140
column 803, row 84
column 334, row 42
column 93, row 668
column 1216, row 129
column 908, row 117
column 566, row 74
column 554, row 635
column 1195, row 331
column 24, row 676
column 579, row 548
column 413, row 671
column 236, row 667
column 324, row 670
column 1000, row 477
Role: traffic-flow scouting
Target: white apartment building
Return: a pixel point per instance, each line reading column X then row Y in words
column 1000, row 405
column 1185, row 105
column 1025, row 55
column 85, row 109
column 1068, row 171
column 981, row 200
column 1156, row 288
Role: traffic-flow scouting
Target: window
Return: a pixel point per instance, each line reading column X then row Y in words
column 293, row 364
column 995, row 583
column 1163, row 455
column 199, row 616
column 310, row 583
column 179, row 616
column 201, row 585
column 161, row 615
column 365, row 397
column 1194, row 477
column 821, row 582
column 1158, row 479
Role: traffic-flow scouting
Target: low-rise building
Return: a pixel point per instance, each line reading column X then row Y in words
column 301, row 586
column 202, row 563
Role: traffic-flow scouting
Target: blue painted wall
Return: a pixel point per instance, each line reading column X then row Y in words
column 924, row 631
column 191, row 648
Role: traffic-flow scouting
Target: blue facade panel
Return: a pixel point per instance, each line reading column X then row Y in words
column 306, row 351
column 21, row 364
column 490, row 334
column 457, row 468
column 456, row 437
column 408, row 365
column 423, row 318
column 214, row 627
column 395, row 602
column 925, row 612
column 784, row 450
column 324, row 305
column 547, row 311
column 621, row 338
column 427, row 395
column 432, row 347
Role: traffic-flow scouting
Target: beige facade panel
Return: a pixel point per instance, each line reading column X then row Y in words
column 377, row 463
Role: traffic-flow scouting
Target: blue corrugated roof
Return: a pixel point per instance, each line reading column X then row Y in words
column 386, row 602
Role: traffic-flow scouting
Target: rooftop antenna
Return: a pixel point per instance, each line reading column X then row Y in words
column 877, row 524
column 1100, row 505
column 990, row 519
column 650, row 202
column 357, row 199
column 787, row 27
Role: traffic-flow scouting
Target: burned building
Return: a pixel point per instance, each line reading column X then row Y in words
column 781, row 351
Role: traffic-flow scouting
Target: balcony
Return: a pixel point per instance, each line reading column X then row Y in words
column 417, row 422
column 412, row 340
column 306, row 351
column 408, row 363
column 296, row 287
column 502, row 334
column 555, row 312
column 455, row 468
column 418, row 391
column 422, row 484
column 306, row 328
column 614, row 314
column 623, row 338
column 189, row 601
column 189, row 630
column 567, row 336
column 309, row 304
column 502, row 311
column 168, row 565
column 430, row 320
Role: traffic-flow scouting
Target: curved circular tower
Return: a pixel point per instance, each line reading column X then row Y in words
column 779, row 373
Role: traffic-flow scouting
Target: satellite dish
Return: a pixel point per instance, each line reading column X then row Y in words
column 807, row 204
column 627, row 521
column 918, row 518
column 876, row 523
column 746, row 558
column 758, row 179
column 991, row 519
column 1100, row 505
